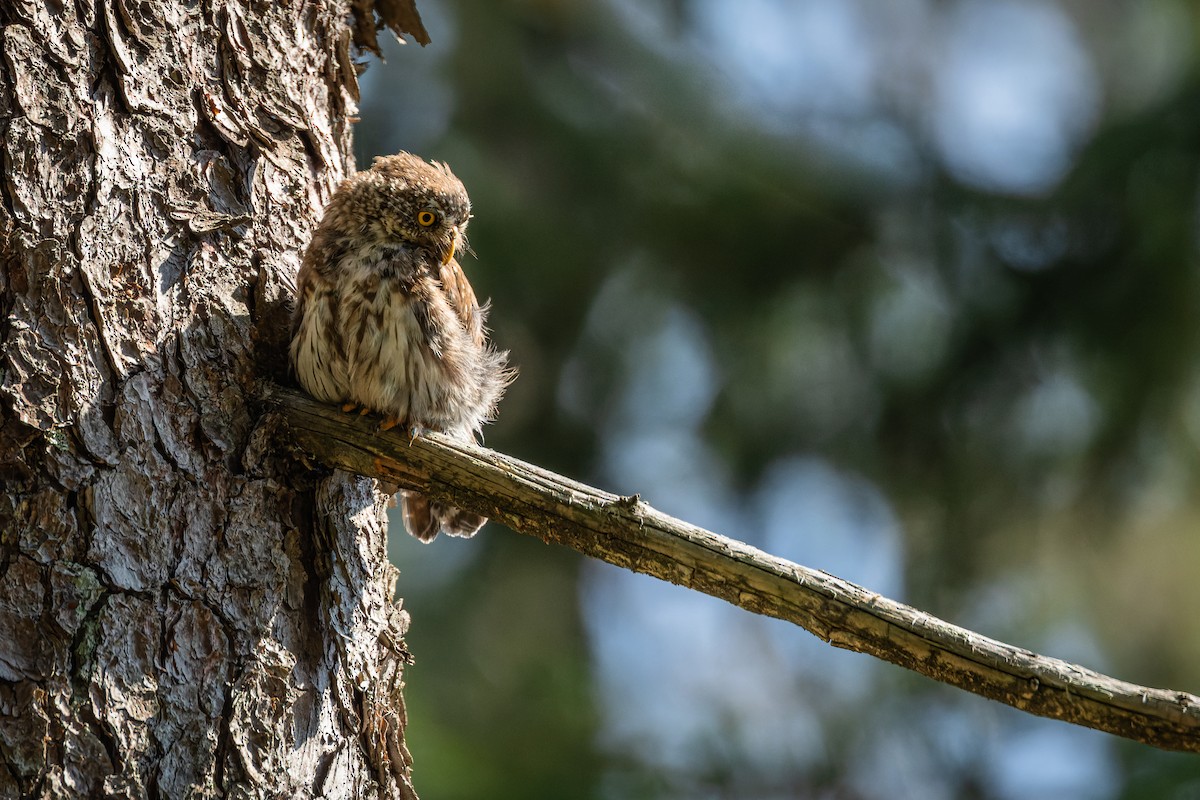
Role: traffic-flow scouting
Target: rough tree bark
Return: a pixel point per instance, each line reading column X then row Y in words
column 181, row 612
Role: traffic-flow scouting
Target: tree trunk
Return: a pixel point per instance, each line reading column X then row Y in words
column 184, row 610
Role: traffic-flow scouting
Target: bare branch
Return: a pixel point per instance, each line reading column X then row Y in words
column 628, row 533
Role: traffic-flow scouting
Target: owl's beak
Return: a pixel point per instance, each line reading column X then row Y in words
column 450, row 251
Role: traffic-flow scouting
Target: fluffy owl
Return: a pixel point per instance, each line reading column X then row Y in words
column 386, row 320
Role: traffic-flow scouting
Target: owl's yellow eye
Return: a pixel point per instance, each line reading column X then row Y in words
column 426, row 218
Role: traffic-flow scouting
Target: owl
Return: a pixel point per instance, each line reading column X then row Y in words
column 386, row 321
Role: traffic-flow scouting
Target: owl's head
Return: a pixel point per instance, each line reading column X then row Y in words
column 410, row 200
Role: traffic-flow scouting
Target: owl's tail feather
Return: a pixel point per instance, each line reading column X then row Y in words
column 419, row 519
column 423, row 518
column 456, row 522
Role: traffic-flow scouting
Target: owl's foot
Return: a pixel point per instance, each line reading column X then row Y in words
column 349, row 407
column 412, row 429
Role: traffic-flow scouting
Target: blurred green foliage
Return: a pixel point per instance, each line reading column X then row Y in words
column 1001, row 346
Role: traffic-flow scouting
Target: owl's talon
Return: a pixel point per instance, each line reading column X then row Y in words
column 364, row 412
column 389, row 422
column 348, row 407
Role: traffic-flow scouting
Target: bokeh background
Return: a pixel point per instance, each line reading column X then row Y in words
column 903, row 291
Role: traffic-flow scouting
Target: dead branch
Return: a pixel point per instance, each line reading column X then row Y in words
column 628, row 533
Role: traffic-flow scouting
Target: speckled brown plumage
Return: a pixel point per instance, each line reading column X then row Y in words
column 387, row 321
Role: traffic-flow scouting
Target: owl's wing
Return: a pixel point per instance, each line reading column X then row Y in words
column 462, row 299
column 316, row 275
column 318, row 354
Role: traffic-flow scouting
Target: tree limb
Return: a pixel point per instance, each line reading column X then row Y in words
column 628, row 533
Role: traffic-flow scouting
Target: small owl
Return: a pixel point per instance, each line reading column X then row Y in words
column 386, row 320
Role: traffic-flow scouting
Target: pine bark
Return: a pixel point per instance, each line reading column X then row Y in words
column 185, row 610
